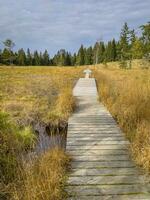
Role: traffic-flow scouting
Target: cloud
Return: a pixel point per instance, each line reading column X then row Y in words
column 49, row 24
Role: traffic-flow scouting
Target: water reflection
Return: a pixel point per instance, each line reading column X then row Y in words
column 50, row 136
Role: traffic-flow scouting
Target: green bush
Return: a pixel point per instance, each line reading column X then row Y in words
column 12, row 142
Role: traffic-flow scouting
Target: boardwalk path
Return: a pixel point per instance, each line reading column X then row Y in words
column 101, row 166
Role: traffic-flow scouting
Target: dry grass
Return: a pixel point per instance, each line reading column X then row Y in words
column 29, row 93
column 32, row 95
column 45, row 179
column 135, row 64
column 126, row 93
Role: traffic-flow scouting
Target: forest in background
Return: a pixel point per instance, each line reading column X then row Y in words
column 129, row 46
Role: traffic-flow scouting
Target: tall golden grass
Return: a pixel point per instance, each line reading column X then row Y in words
column 44, row 179
column 126, row 93
column 31, row 95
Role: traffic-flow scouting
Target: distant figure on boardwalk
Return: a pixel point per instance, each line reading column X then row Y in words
column 87, row 73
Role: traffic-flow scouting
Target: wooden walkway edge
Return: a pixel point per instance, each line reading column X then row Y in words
column 101, row 166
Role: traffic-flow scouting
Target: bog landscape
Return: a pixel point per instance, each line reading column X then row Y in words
column 76, row 126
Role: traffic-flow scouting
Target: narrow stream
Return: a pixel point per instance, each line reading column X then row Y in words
column 48, row 137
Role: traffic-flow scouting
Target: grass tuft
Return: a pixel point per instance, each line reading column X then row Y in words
column 126, row 93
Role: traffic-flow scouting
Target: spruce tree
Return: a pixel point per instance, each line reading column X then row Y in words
column 114, row 51
column 45, row 58
column 96, row 53
column 68, row 59
column 6, row 55
column 124, row 42
column 29, row 58
column 146, row 37
column 21, row 58
column 36, row 58
column 88, row 56
column 73, row 59
column 101, row 52
column 0, row 56
column 81, row 56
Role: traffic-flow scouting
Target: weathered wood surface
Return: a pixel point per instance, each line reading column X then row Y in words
column 101, row 167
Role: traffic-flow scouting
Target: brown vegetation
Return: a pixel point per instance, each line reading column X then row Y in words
column 126, row 93
column 30, row 95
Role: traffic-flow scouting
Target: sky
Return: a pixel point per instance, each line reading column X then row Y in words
column 57, row 24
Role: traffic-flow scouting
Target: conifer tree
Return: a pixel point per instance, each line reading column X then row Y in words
column 74, row 59
column 21, row 58
column 81, row 56
column 29, row 58
column 114, row 51
column 0, row 56
column 146, row 37
column 6, row 55
column 124, row 42
column 45, row 58
column 89, row 56
column 101, row 52
column 96, row 53
column 68, row 59
column 36, row 58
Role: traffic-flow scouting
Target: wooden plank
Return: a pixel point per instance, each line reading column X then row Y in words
column 100, row 190
column 101, row 157
column 101, row 166
column 97, row 152
column 104, row 171
column 112, row 197
column 92, row 147
column 105, row 180
column 96, row 142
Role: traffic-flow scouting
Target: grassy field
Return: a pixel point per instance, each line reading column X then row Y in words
column 30, row 95
column 33, row 93
column 126, row 93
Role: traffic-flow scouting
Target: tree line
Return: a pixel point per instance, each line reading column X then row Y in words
column 129, row 46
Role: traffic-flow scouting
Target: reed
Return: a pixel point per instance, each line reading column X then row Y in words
column 126, row 93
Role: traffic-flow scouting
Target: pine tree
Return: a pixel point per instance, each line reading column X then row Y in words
column 29, row 58
column 114, row 51
column 101, row 52
column 132, row 36
column 110, row 51
column 96, row 53
column 124, row 42
column 46, row 58
column 62, row 57
column 73, row 59
column 41, row 59
column 146, row 37
column 88, row 56
column 118, row 51
column 68, row 59
column 0, row 56
column 81, row 56
column 6, row 54
column 21, row 58
column 36, row 58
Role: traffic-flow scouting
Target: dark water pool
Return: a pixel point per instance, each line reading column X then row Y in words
column 50, row 136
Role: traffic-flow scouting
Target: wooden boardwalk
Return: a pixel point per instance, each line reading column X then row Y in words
column 101, row 166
